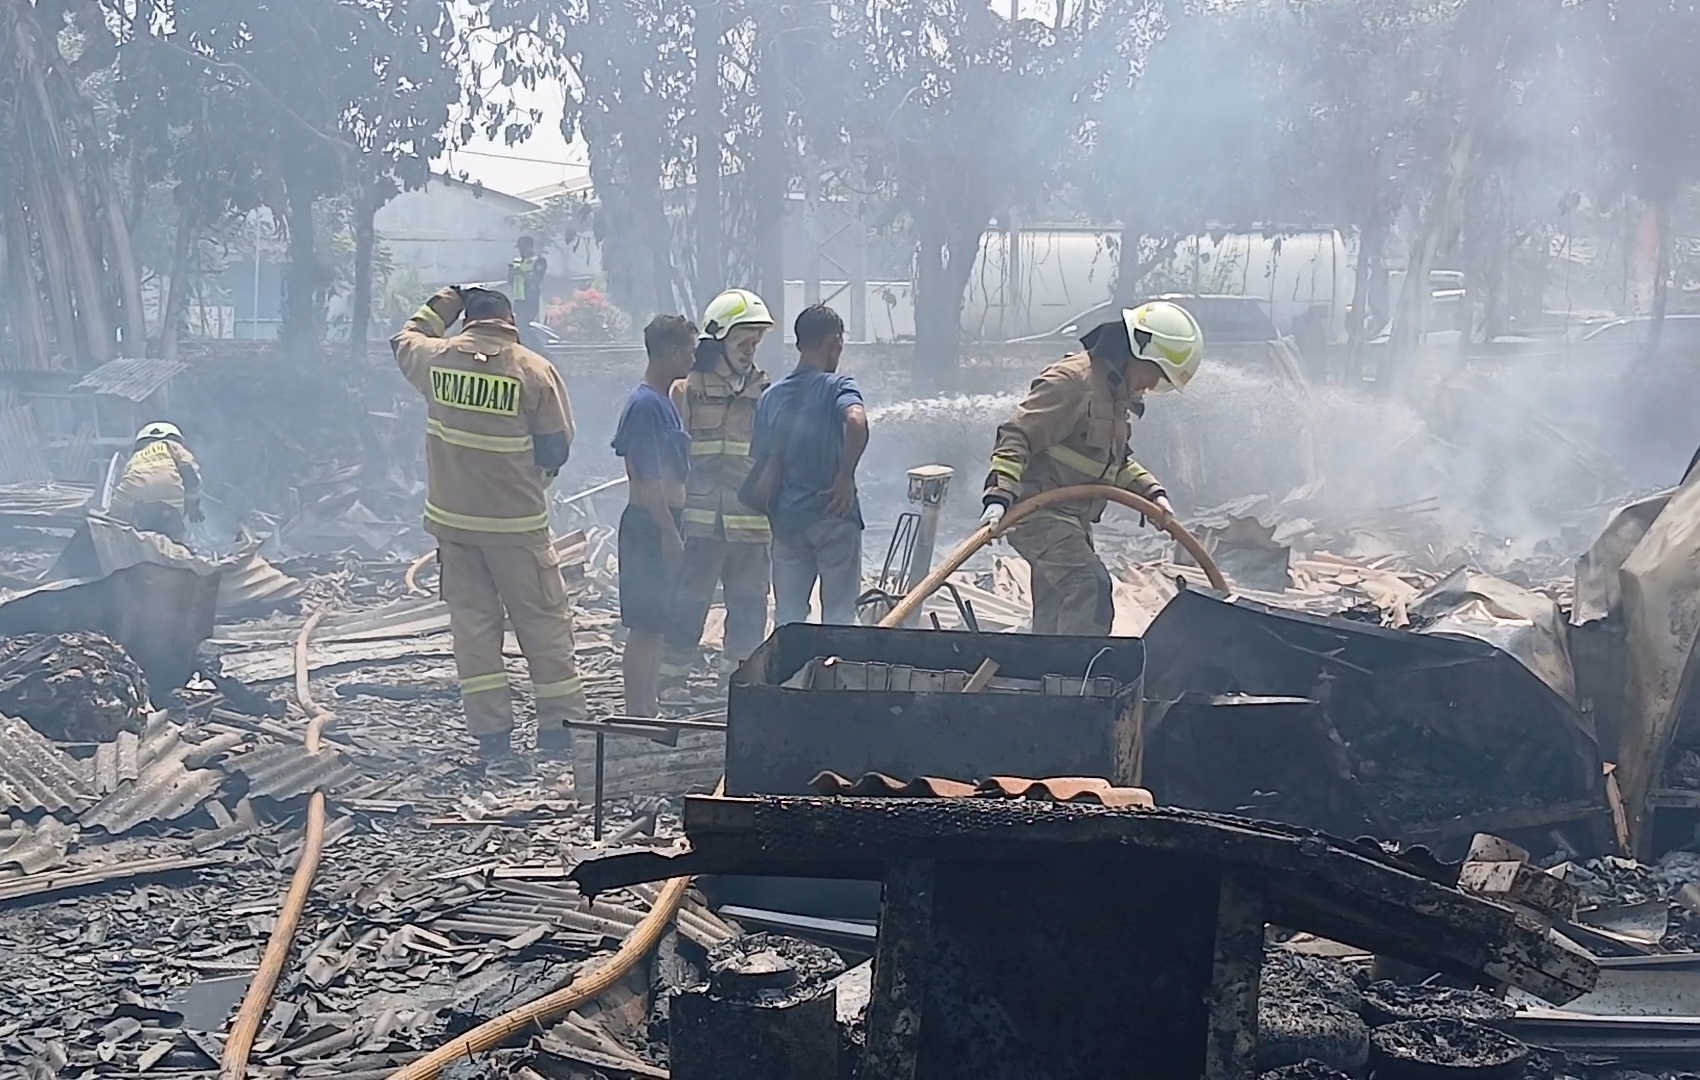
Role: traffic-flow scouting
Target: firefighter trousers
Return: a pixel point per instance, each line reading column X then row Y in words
column 1072, row 591
column 478, row 583
column 745, row 573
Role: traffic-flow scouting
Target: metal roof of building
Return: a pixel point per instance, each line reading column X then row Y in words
column 134, row 378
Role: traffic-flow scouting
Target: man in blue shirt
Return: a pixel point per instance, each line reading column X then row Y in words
column 652, row 440
column 817, row 521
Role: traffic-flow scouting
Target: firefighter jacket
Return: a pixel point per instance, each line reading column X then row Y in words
column 519, row 278
column 718, row 407
column 162, row 471
column 499, row 426
column 1072, row 428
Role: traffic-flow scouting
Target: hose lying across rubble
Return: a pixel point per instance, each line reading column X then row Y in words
column 637, row 944
column 551, row 1007
column 1077, row 493
column 259, row 996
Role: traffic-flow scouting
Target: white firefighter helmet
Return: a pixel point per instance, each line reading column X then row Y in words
column 159, row 429
column 734, row 307
column 1167, row 335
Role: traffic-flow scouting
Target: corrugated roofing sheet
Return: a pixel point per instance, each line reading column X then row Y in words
column 34, row 775
column 289, row 772
column 29, row 849
column 134, row 377
column 164, row 792
column 1089, row 790
column 164, row 789
column 116, row 762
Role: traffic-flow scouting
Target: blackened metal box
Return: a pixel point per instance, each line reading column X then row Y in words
column 779, row 738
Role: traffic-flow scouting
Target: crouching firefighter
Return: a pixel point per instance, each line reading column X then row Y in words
column 499, row 427
column 161, row 486
column 1072, row 428
column 726, row 543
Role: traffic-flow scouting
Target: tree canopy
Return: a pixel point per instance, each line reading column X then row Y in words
column 1471, row 132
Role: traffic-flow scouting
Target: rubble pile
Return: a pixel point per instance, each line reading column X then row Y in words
column 142, row 864
column 1321, row 1018
column 75, row 687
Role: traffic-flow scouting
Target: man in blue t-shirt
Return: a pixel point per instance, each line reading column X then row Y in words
column 816, row 518
column 652, row 440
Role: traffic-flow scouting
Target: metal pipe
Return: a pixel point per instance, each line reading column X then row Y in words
column 257, row 1000
column 928, row 487
column 987, row 533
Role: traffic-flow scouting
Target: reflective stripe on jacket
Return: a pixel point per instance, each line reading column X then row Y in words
column 1072, row 428
column 719, row 411
column 490, row 403
column 519, row 277
column 163, row 471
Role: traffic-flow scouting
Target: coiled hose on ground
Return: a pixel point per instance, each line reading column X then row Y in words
column 551, row 1007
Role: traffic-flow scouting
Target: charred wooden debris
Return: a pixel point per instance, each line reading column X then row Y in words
column 1393, row 829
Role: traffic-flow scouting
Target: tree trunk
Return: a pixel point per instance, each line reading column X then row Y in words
column 1128, row 272
column 121, row 256
column 303, row 309
column 83, row 259
column 942, row 269
column 360, row 306
column 1661, row 282
column 1437, row 222
column 770, row 179
column 1372, row 241
column 710, row 255
column 25, row 291
column 39, row 213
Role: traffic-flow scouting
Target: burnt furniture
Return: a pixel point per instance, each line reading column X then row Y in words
column 1047, row 941
column 779, row 737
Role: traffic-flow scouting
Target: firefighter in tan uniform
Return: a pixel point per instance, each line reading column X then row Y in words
column 1073, row 428
column 161, row 486
column 499, row 428
column 726, row 543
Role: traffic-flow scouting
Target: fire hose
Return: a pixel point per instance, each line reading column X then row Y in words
column 258, row 998
column 1079, row 492
column 637, row 944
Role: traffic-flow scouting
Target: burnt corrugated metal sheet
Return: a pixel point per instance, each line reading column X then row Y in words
column 34, row 775
column 251, row 585
column 134, row 378
column 44, row 505
column 290, row 772
column 29, row 849
column 163, row 789
column 116, row 762
column 1088, row 790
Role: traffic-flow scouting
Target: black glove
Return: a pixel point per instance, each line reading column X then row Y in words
column 192, row 512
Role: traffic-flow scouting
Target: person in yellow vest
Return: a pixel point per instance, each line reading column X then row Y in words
column 499, row 427
column 525, row 286
column 161, row 487
column 1073, row 428
column 726, row 543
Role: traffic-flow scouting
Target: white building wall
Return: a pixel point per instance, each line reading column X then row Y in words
column 451, row 232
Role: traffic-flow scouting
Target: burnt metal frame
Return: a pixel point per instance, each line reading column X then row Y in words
column 1263, row 873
